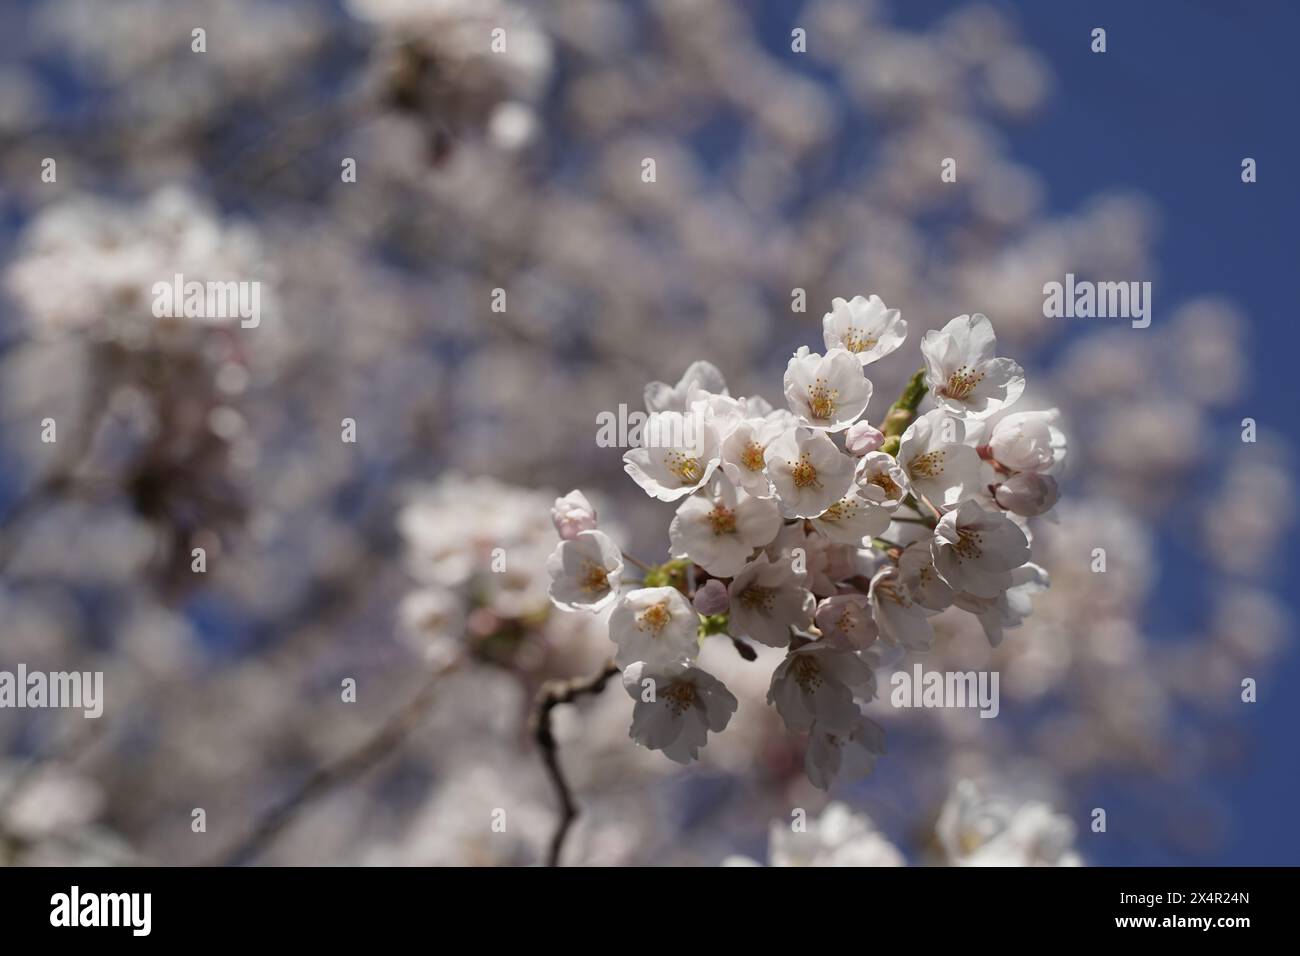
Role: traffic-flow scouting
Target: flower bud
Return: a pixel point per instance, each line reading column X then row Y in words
column 712, row 598
column 1027, row 494
column 572, row 515
column 861, row 438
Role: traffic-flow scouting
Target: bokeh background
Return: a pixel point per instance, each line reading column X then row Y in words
column 521, row 171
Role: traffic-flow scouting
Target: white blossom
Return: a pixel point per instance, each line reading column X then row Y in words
column 703, row 376
column 677, row 704
column 884, row 472
column 823, row 563
column 808, row 472
column 828, row 391
column 585, row 572
column 975, row 550
column 1028, row 441
column 835, row 753
column 922, row 581
column 719, row 528
column 744, row 448
column 899, row 617
column 1028, row 494
column 655, row 625
column 846, row 618
column 864, row 327
column 978, row 829
column 767, row 599
column 838, row 837
column 818, row 682
column 678, row 454
column 963, row 372
column 937, row 462
column 1011, row 607
column 859, row 516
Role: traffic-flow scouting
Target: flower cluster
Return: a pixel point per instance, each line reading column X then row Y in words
column 979, row 824
column 786, row 537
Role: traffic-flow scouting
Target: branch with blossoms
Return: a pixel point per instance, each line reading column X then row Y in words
column 809, row 529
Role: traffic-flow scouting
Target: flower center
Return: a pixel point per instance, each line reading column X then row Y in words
column 688, row 470
column 962, row 382
column 886, row 484
column 722, row 519
column 843, row 510
column 655, row 618
column 847, row 621
column 593, row 578
column 758, row 598
column 803, row 472
column 891, row 591
column 822, row 399
column 679, row 696
column 752, row 456
column 806, row 673
column 856, row 341
column 928, row 465
column 968, row 544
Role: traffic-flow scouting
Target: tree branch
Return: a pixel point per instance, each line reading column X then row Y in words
column 346, row 769
column 552, row 694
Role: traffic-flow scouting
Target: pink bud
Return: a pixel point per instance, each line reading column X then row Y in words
column 712, row 598
column 861, row 439
column 572, row 515
column 1027, row 494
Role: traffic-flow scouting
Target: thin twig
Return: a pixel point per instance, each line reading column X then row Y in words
column 637, row 561
column 344, row 770
column 552, row 694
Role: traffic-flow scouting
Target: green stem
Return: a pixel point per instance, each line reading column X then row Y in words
column 903, row 412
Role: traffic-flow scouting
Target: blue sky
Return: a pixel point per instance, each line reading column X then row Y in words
column 1183, row 93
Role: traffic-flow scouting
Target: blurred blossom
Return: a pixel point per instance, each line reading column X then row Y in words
column 497, row 276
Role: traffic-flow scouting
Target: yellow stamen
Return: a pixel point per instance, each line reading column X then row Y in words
column 654, row 618
column 688, row 470
column 822, row 399
column 722, row 519
column 803, row 472
column 593, row 578
column 962, row 382
column 856, row 341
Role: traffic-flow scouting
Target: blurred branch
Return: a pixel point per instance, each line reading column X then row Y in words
column 345, row 770
column 60, row 478
column 552, row 694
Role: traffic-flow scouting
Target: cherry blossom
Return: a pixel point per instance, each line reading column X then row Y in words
column 677, row 705
column 808, row 472
column 767, row 599
column 585, row 572
column 962, row 371
column 678, row 454
column 864, row 327
column 828, row 391
column 936, row 460
column 655, row 625
column 719, row 530
column 975, row 550
column 818, row 682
